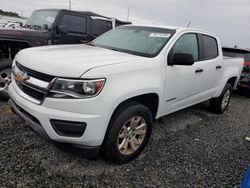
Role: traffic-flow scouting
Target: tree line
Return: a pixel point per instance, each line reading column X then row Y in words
column 11, row 14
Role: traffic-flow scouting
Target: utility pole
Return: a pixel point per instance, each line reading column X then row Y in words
column 128, row 14
column 69, row 4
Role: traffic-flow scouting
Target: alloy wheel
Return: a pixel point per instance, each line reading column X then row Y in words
column 132, row 135
column 5, row 76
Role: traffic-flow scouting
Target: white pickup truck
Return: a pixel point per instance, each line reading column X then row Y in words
column 107, row 93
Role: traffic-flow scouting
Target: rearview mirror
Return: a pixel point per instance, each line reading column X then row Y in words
column 183, row 59
column 63, row 29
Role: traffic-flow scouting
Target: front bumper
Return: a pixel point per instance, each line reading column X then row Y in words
column 93, row 112
column 33, row 125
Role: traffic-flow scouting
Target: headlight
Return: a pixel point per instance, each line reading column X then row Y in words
column 65, row 88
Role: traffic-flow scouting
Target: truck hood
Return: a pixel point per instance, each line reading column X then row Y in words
column 8, row 32
column 70, row 60
column 30, row 37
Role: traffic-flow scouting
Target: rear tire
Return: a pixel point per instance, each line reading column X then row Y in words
column 220, row 104
column 128, row 133
column 5, row 74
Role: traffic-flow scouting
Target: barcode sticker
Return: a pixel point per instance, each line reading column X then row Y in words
column 50, row 19
column 160, row 35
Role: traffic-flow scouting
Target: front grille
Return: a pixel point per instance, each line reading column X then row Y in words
column 32, row 92
column 35, row 74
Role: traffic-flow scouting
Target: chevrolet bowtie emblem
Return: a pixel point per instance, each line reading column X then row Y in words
column 21, row 77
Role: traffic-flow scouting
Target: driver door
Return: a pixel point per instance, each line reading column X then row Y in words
column 184, row 83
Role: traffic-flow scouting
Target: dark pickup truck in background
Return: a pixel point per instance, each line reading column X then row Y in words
column 50, row 27
column 244, row 82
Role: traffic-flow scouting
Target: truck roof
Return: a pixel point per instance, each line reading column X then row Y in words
column 177, row 28
column 89, row 13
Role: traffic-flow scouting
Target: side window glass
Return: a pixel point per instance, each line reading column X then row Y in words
column 210, row 47
column 188, row 43
column 76, row 24
column 100, row 26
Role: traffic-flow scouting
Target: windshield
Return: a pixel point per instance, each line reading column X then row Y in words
column 143, row 41
column 41, row 17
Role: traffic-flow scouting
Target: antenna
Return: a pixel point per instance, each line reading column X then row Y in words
column 69, row 4
column 128, row 14
column 189, row 24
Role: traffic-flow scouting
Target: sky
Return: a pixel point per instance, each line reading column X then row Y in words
column 228, row 19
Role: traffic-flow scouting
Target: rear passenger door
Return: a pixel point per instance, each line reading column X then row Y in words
column 76, row 29
column 211, row 62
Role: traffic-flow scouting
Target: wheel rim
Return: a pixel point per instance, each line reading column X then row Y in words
column 5, row 76
column 132, row 135
column 225, row 99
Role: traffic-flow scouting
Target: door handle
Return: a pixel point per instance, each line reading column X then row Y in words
column 218, row 67
column 198, row 70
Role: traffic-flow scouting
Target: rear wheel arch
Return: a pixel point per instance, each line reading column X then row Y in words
column 232, row 81
column 14, row 46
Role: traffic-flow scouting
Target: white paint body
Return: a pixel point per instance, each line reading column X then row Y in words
column 126, row 76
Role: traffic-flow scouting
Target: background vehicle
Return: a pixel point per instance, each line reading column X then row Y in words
column 244, row 82
column 107, row 93
column 49, row 27
column 12, row 25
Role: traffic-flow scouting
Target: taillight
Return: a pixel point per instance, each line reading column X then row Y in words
column 246, row 68
column 247, row 64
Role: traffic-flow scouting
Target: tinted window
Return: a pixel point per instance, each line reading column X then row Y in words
column 76, row 24
column 210, row 47
column 187, row 43
column 100, row 26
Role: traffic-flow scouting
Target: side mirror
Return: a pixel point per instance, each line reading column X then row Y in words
column 63, row 29
column 183, row 59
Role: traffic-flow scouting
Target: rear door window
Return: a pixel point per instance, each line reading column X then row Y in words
column 210, row 47
column 100, row 26
column 76, row 24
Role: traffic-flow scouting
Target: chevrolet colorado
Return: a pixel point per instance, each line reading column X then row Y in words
column 107, row 93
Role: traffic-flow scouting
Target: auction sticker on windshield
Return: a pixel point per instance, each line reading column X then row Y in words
column 50, row 19
column 160, row 35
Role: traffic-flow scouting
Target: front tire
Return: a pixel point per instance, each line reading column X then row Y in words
column 128, row 133
column 220, row 104
column 5, row 75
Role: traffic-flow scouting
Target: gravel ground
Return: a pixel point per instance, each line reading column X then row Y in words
column 190, row 148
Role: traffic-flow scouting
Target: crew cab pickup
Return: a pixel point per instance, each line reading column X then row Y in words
column 107, row 93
